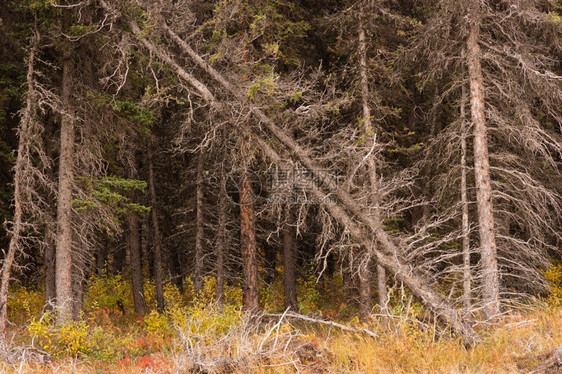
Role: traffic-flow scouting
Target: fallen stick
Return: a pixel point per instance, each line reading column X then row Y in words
column 322, row 322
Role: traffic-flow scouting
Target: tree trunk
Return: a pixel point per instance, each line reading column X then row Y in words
column 156, row 236
column 221, row 239
column 381, row 289
column 270, row 257
column 101, row 258
column 248, row 239
column 120, row 254
column 17, row 226
column 64, row 204
column 488, row 249
column 199, row 226
column 50, row 276
column 464, row 201
column 365, row 294
column 136, row 265
column 78, row 277
column 289, row 265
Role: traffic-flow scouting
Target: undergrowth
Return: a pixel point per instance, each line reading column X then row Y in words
column 195, row 334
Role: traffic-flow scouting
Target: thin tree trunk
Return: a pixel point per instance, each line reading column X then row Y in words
column 156, row 236
column 101, row 259
column 464, row 201
column 50, row 276
column 381, row 289
column 248, row 239
column 270, row 257
column 289, row 265
column 17, row 226
column 221, row 239
column 365, row 291
column 78, row 277
column 135, row 260
column 365, row 276
column 136, row 265
column 64, row 203
column 199, row 226
column 488, row 248
column 120, row 254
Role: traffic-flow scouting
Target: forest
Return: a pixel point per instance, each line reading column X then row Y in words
column 281, row 186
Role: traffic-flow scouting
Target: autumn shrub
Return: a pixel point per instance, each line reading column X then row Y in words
column 111, row 293
column 554, row 277
column 24, row 304
column 70, row 339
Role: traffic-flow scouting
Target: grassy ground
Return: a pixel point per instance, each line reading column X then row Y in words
column 196, row 336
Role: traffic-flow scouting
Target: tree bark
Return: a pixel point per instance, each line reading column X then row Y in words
column 79, row 274
column 248, row 239
column 289, row 265
column 101, row 258
column 64, row 203
column 50, row 276
column 221, row 239
column 199, row 226
column 136, row 265
column 156, row 236
column 17, row 226
column 467, row 276
column 365, row 277
column 488, row 248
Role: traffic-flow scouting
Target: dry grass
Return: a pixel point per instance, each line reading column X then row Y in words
column 521, row 343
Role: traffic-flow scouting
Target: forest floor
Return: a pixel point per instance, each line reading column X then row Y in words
column 199, row 337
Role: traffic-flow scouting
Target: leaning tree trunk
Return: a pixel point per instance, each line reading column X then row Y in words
column 19, row 182
column 488, row 248
column 199, row 226
column 289, row 257
column 156, row 235
column 64, row 203
column 248, row 238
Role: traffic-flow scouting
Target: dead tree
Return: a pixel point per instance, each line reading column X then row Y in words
column 488, row 247
column 64, row 244
column 23, row 171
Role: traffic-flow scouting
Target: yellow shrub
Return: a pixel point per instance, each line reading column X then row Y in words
column 108, row 292
column 24, row 304
column 554, row 276
column 69, row 339
column 157, row 324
